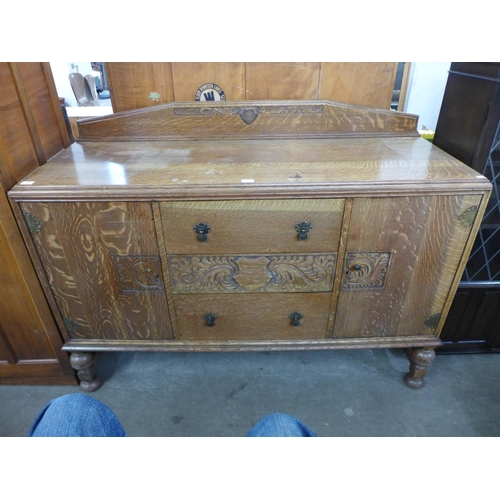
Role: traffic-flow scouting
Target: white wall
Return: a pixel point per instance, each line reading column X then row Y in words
column 425, row 91
column 61, row 71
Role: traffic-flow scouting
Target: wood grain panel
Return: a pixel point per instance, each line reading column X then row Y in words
column 189, row 77
column 7, row 354
column 44, row 372
column 247, row 227
column 42, row 107
column 17, row 153
column 363, row 84
column 252, row 273
column 269, row 119
column 366, row 84
column 57, row 269
column 280, row 80
column 77, row 244
column 252, row 316
column 130, row 84
column 426, row 242
column 18, row 287
column 279, row 168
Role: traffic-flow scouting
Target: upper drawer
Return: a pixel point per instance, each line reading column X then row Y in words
column 252, row 226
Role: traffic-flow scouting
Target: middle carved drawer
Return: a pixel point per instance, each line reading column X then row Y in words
column 200, row 274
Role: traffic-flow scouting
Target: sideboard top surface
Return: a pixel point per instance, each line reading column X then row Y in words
column 237, row 168
column 237, row 150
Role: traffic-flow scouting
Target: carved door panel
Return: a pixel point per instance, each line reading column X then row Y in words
column 103, row 266
column 401, row 259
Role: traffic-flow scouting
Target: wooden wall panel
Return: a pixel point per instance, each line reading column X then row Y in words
column 6, row 352
column 276, row 81
column 131, row 84
column 19, row 316
column 189, row 77
column 32, row 130
column 362, row 84
column 42, row 107
column 17, row 153
column 365, row 84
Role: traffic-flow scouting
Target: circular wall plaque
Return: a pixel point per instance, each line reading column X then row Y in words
column 210, row 92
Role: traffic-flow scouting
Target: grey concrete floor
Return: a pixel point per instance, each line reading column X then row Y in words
column 336, row 393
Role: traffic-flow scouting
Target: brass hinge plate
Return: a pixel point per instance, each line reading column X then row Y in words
column 468, row 217
column 33, row 222
column 433, row 321
column 70, row 325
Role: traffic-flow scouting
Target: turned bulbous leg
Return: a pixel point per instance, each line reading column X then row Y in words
column 420, row 359
column 83, row 363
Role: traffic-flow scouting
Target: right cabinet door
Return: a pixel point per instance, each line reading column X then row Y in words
column 402, row 256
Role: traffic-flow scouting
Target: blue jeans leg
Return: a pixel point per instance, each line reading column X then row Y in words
column 280, row 425
column 76, row 415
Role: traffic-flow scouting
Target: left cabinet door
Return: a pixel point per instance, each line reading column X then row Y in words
column 103, row 266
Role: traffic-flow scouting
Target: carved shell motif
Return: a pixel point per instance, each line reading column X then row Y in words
column 365, row 270
column 138, row 273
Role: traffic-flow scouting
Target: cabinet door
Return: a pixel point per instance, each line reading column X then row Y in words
column 103, row 266
column 401, row 259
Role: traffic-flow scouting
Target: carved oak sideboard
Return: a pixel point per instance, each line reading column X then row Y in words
column 250, row 226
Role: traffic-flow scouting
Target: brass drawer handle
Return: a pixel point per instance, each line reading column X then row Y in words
column 202, row 230
column 210, row 319
column 295, row 317
column 303, row 228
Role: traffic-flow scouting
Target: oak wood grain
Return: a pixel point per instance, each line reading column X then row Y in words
column 247, row 227
column 17, row 152
column 7, row 353
column 20, row 295
column 284, row 273
column 358, row 83
column 283, row 80
column 57, row 269
column 44, row 106
column 43, row 372
column 124, row 208
column 30, row 132
column 162, row 248
column 77, row 245
column 130, row 84
column 363, row 83
column 224, row 119
column 339, row 269
column 278, row 168
column 252, row 316
column 250, row 345
column 189, row 77
column 426, row 241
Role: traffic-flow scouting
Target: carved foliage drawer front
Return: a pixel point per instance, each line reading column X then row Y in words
column 252, row 273
column 251, row 227
column 253, row 316
column 103, row 266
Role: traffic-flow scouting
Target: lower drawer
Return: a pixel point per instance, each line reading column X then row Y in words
column 252, row 316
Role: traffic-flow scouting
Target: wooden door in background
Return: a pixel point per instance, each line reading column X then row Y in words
column 32, row 130
column 139, row 85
